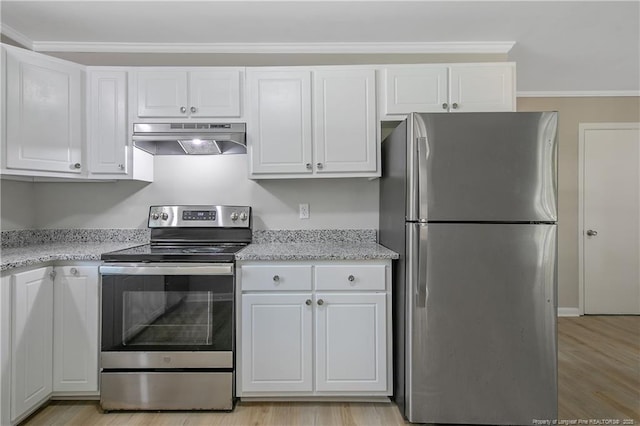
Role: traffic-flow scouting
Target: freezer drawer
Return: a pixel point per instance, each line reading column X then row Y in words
column 482, row 324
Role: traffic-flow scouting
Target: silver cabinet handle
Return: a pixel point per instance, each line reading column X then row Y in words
column 276, row 278
column 121, row 166
column 592, row 233
column 351, row 278
column 445, row 105
column 52, row 274
column 454, row 105
column 183, row 109
column 319, row 165
column 320, row 302
column 193, row 109
column 307, row 302
column 309, row 166
column 74, row 271
column 77, row 165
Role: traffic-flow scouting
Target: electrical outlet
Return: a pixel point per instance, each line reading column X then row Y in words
column 304, row 211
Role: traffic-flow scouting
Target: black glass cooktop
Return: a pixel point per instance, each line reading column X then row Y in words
column 178, row 253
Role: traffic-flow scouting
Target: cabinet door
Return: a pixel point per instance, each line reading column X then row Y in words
column 416, row 88
column 107, row 122
column 75, row 341
column 482, row 87
column 279, row 134
column 214, row 93
column 31, row 355
column 44, row 115
column 162, row 94
column 351, row 342
column 345, row 121
column 276, row 342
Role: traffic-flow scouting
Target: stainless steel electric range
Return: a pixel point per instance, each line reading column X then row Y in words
column 168, row 312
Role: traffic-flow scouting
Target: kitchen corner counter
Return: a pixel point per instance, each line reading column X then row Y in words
column 16, row 257
column 338, row 250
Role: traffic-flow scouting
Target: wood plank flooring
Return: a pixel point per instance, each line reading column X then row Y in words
column 598, row 375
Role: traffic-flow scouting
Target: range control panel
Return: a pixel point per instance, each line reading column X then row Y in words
column 200, row 216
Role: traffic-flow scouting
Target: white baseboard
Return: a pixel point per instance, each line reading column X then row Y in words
column 568, row 312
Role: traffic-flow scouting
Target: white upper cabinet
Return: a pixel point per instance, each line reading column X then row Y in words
column 279, row 128
column 312, row 122
column 482, row 87
column 107, row 121
column 447, row 88
column 182, row 93
column 345, row 121
column 421, row 88
column 43, row 113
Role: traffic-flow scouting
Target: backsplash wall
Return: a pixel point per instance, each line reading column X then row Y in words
column 17, row 205
column 334, row 203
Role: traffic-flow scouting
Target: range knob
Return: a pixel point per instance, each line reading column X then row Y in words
column 155, row 216
column 234, row 216
column 243, row 216
column 164, row 216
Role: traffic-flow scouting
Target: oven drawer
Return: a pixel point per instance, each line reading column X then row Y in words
column 276, row 277
column 177, row 359
column 152, row 390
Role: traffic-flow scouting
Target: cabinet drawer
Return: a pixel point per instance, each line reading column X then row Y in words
column 276, row 277
column 350, row 277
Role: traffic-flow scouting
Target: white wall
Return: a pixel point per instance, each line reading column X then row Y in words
column 334, row 203
column 17, row 205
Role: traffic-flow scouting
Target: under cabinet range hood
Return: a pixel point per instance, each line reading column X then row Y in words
column 190, row 138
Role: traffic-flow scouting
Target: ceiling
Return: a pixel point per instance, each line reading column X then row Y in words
column 559, row 46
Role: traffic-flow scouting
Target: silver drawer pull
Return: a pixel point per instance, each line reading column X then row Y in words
column 307, row 302
column 351, row 278
column 74, row 271
column 276, row 278
column 320, row 302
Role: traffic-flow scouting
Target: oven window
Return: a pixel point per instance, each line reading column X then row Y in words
column 167, row 312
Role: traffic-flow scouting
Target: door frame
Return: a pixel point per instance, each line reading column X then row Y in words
column 582, row 130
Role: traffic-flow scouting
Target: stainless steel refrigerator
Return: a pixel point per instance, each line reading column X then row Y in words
column 469, row 200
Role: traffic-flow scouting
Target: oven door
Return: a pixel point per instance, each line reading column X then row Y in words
column 167, row 315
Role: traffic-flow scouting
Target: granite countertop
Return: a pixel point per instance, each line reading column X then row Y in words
column 316, row 251
column 16, row 257
column 359, row 244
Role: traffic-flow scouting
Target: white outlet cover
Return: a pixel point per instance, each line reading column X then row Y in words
column 304, row 211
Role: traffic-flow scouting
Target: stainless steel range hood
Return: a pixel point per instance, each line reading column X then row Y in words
column 190, row 138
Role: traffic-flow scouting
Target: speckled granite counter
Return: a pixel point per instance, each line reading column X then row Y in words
column 32, row 247
column 359, row 244
column 17, row 257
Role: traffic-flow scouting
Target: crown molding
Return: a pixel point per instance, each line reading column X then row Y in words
column 577, row 93
column 364, row 47
column 16, row 36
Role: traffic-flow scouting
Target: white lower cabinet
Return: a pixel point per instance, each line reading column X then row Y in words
column 31, row 339
column 295, row 338
column 49, row 318
column 75, row 329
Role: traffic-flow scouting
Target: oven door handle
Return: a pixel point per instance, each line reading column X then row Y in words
column 167, row 269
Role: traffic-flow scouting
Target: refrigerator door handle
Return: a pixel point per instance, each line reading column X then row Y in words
column 422, row 293
column 423, row 154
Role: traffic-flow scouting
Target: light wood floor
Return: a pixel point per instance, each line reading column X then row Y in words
column 599, row 379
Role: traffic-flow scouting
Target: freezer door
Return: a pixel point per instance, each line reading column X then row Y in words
column 481, row 326
column 484, row 167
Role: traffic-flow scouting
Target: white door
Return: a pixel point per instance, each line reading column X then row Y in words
column 611, row 217
column 76, row 317
column 214, row 93
column 276, row 342
column 351, row 342
column 279, row 133
column 162, row 94
column 416, row 88
column 107, row 122
column 31, row 340
column 482, row 87
column 345, row 121
column 44, row 114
